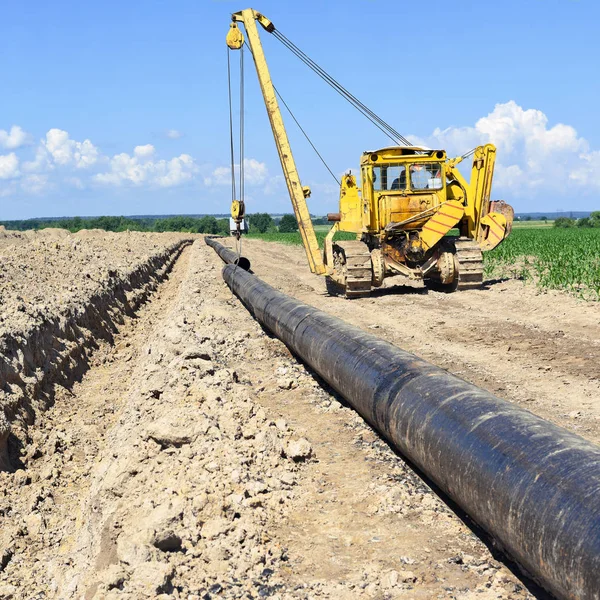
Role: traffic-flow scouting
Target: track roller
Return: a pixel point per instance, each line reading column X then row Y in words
column 352, row 268
column 459, row 266
column 469, row 263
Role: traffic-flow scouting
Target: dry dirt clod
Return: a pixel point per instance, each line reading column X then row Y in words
column 298, row 450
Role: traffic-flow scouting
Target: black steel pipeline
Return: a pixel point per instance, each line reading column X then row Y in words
column 533, row 486
column 228, row 255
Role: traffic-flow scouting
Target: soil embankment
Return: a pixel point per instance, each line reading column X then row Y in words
column 62, row 295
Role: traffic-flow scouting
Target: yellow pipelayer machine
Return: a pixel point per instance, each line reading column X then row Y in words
column 410, row 199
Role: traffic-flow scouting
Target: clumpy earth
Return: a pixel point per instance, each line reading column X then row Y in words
column 196, row 458
column 60, row 296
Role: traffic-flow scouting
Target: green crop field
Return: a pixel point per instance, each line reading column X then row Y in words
column 294, row 238
column 549, row 257
column 532, row 224
column 553, row 258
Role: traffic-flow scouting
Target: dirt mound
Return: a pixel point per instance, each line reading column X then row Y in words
column 8, row 237
column 86, row 234
column 59, row 298
column 53, row 233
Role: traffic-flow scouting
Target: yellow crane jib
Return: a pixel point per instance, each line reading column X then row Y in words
column 235, row 40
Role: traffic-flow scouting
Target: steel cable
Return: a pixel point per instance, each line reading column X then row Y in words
column 231, row 144
column 306, row 135
column 360, row 106
column 242, row 175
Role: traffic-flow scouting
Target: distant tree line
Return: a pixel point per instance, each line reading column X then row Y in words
column 259, row 222
column 530, row 218
column 184, row 224
column 264, row 223
column 592, row 221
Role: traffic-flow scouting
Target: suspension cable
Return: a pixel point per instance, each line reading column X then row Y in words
column 387, row 129
column 306, row 135
column 231, row 144
column 314, row 67
column 242, row 176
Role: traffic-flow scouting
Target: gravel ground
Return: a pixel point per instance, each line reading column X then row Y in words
column 197, row 459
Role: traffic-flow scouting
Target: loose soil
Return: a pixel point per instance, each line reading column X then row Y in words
column 60, row 296
column 197, row 458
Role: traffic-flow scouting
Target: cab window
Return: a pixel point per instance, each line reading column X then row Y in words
column 426, row 176
column 389, row 178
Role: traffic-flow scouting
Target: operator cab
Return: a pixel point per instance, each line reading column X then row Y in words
column 404, row 169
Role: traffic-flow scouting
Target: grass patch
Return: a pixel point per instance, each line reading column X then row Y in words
column 554, row 258
column 295, row 238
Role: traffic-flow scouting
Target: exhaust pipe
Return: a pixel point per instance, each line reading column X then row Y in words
column 227, row 255
column 533, row 486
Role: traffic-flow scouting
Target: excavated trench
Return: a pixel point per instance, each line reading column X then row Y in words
column 55, row 349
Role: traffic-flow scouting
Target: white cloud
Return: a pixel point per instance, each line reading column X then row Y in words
column 34, row 184
column 76, row 182
column 9, row 166
column 41, row 163
column 176, row 171
column 275, row 186
column 588, row 171
column 141, row 169
column 531, row 155
column 68, row 152
column 13, row 139
column 60, row 159
column 220, row 176
column 255, row 173
column 144, row 152
column 173, row 134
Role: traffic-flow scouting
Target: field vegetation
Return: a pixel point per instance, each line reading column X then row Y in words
column 184, row 224
column 566, row 258
column 259, row 223
column 296, row 239
column 593, row 221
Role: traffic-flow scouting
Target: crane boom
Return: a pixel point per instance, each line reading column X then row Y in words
column 298, row 194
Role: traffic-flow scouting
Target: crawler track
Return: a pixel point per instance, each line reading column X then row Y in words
column 355, row 265
column 469, row 260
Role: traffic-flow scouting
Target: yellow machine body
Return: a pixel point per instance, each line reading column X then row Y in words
column 407, row 203
column 396, row 196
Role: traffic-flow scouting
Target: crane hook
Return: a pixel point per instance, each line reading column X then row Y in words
column 235, row 38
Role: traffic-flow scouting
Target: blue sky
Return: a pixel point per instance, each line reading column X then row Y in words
column 121, row 107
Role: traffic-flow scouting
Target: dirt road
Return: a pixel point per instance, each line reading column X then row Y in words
column 197, row 458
